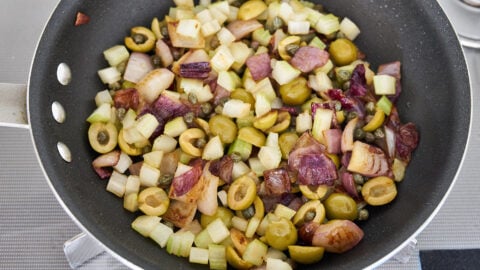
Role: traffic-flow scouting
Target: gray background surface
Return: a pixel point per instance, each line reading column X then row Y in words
column 33, row 226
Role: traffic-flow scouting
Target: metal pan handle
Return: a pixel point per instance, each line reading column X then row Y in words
column 13, row 105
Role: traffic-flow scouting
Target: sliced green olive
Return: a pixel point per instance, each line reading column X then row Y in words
column 252, row 136
column 141, row 39
column 281, row 233
column 129, row 149
column 295, row 92
column 306, row 254
column 187, row 141
column 283, row 122
column 222, row 126
column 310, row 211
column 102, row 136
column 258, row 209
column 243, row 95
column 266, row 121
column 379, row 190
column 153, row 201
column 315, row 192
column 343, row 51
column 286, row 141
column 242, row 193
column 234, row 259
column 341, row 206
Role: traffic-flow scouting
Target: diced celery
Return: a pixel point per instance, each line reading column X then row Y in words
column 145, row 224
column 317, row 42
column 255, row 252
column 164, row 143
column 160, row 234
column 116, row 184
column 262, row 228
column 322, row 120
column 276, row 254
column 264, row 87
column 225, row 36
column 133, row 136
column 284, row 211
column 313, row 16
column 217, row 257
column 198, row 255
column 188, row 28
column 232, row 16
column 116, row 55
column 239, row 223
column 210, row 28
column 217, row 230
column 252, row 226
column 132, row 185
column 130, row 202
column 204, row 16
column 103, row 97
column 284, row 73
column 304, row 122
column 180, row 243
column 256, row 166
column 272, row 140
column 325, row 68
column 384, row 84
column 320, row 82
column 153, row 158
column 184, row 3
column 277, row 264
column 149, row 175
column 298, row 27
column 109, row 75
column 235, row 108
column 147, row 124
column 183, row 14
column 129, row 119
column 385, row 105
column 222, row 194
column 218, row 15
column 349, row 28
column 240, row 52
column 175, row 127
column 103, row 113
column 262, row 36
column 123, row 162
column 222, row 59
column 327, row 24
column 262, row 104
column 270, row 157
column 228, row 80
column 203, row 239
column 213, row 149
column 285, row 11
column 242, row 148
column 398, row 169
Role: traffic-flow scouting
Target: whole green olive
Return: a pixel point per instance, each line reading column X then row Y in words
column 281, row 234
column 340, row 206
column 295, row 92
column 343, row 51
column 224, row 127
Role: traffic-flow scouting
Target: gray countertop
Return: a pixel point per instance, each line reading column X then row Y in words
column 34, row 227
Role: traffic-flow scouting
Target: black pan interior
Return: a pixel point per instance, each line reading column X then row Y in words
column 436, row 96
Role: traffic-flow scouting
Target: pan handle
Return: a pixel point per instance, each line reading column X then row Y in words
column 13, row 105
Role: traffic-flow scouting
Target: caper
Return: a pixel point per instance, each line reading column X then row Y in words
column 379, row 134
column 192, row 98
column 236, row 157
column 346, row 86
column 358, row 178
column 343, row 75
column 164, row 30
column 165, row 180
column 189, row 117
column 115, row 86
column 318, row 7
column 156, row 61
column 308, row 37
column 370, row 107
column 249, row 212
column 351, row 116
column 121, row 113
column 277, row 23
column 200, row 143
column 292, row 48
column 206, row 108
column 369, row 137
column 337, row 105
column 139, row 38
column 214, row 42
column 363, row 214
column 309, row 216
column 358, row 188
column 219, row 109
column 176, row 53
column 102, row 137
column 358, row 134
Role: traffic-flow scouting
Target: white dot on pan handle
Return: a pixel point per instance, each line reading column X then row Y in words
column 58, row 112
column 64, row 74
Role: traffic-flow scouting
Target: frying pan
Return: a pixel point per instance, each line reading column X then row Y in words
column 436, row 96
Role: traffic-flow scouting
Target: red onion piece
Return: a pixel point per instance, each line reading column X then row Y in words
column 163, row 51
column 126, row 98
column 277, row 181
column 106, row 160
column 197, row 70
column 308, row 58
column 333, row 138
column 241, row 29
column 259, row 66
column 348, row 184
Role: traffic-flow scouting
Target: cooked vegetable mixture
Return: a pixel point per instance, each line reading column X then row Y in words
column 249, row 133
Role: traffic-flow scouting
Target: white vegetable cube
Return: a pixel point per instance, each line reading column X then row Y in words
column 262, row 105
column 147, row 124
column 116, row 55
column 133, row 136
column 145, row 224
column 188, row 28
column 285, row 11
column 256, row 165
column 384, row 84
column 320, row 82
column 327, row 24
column 130, row 202
column 154, row 83
column 184, row 3
column 277, row 264
column 349, row 28
column 284, row 211
column 222, row 6
column 103, row 113
column 235, row 108
column 149, row 175
column 164, row 143
column 213, row 149
column 123, row 163
column 313, row 16
column 153, row 158
column 109, row 75
column 175, row 127
column 210, row 28
column 225, row 36
column 103, row 97
column 160, row 234
column 222, row 60
column 232, row 16
column 222, row 196
column 132, row 185
column 270, row 157
column 240, row 52
column 265, row 88
column 204, row 16
column 322, row 120
column 198, row 255
column 218, row 15
column 129, row 119
column 298, row 27
column 228, row 80
column 217, row 231
column 116, row 184
column 239, row 168
column 304, row 122
column 284, row 73
column 272, row 140
column 190, row 85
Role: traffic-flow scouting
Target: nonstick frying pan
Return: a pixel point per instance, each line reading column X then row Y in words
column 436, row 96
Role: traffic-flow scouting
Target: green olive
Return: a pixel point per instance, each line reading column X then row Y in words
column 224, row 127
column 223, row 213
column 311, row 211
column 295, row 92
column 286, row 141
column 343, row 51
column 141, row 39
column 153, row 201
column 243, row 95
column 281, row 234
column 341, row 206
column 103, row 137
column 242, row 193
